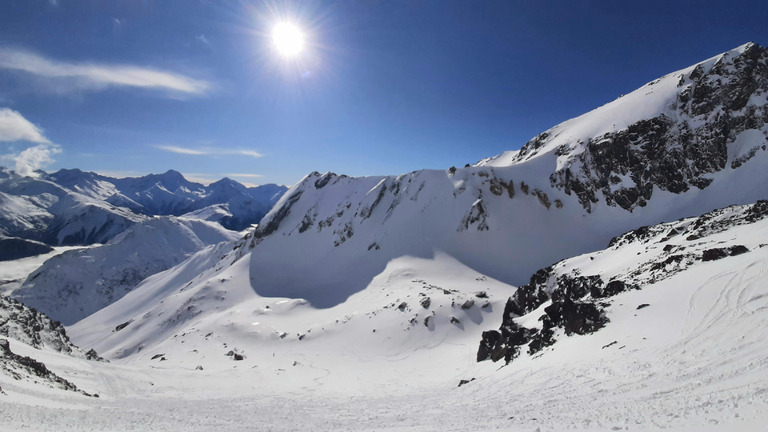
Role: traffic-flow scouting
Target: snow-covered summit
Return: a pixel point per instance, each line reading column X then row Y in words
column 674, row 133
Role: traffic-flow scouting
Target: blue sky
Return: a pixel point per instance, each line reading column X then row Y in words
column 383, row 87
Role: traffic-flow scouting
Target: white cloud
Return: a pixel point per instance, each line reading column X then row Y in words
column 211, row 151
column 181, row 150
column 14, row 127
column 94, row 76
column 34, row 158
column 202, row 38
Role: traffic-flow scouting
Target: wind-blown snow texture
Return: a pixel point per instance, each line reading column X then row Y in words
column 359, row 303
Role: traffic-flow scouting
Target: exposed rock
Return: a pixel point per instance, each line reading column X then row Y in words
column 33, row 328
column 463, row 382
column 574, row 317
column 671, row 155
column 27, row 368
column 577, row 301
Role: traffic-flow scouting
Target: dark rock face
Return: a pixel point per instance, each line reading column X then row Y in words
column 574, row 317
column 573, row 308
column 27, row 325
column 531, row 296
column 676, row 151
column 718, row 253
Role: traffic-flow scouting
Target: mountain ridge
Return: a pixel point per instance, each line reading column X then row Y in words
column 330, row 235
column 77, row 207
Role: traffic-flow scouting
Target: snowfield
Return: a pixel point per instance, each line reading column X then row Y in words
column 694, row 359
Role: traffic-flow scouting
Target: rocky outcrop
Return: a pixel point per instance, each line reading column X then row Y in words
column 568, row 302
column 27, row 325
column 676, row 150
column 26, row 368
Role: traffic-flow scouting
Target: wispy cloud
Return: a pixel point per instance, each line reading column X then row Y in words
column 95, row 76
column 14, row 127
column 202, row 38
column 181, row 150
column 210, row 151
column 244, row 175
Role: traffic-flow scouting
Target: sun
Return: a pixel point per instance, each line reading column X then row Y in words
column 287, row 39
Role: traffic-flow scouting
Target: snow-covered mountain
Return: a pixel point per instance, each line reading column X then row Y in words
column 330, row 238
column 76, row 207
column 38, row 209
column 403, row 276
column 683, row 131
column 77, row 283
column 171, row 194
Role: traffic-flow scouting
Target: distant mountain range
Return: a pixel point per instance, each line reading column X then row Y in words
column 76, row 207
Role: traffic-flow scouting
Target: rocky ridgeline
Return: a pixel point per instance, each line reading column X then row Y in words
column 577, row 302
column 674, row 151
column 26, row 368
column 27, row 325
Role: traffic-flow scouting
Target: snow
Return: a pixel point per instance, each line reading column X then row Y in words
column 692, row 360
column 12, row 275
column 748, row 141
column 359, row 304
column 71, row 286
column 655, row 98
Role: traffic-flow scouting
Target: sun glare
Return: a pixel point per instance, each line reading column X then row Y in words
column 287, row 39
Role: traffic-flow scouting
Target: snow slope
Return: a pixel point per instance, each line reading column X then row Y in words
column 692, row 360
column 75, row 284
column 319, row 318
